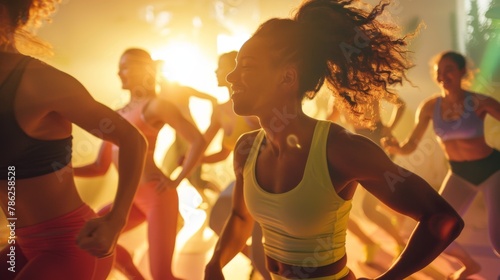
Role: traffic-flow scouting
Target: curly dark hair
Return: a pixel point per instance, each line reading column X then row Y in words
column 25, row 16
column 332, row 41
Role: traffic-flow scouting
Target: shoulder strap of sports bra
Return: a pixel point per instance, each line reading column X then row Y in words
column 9, row 86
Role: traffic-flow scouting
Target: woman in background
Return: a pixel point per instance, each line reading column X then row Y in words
column 233, row 126
column 156, row 201
column 458, row 116
column 180, row 96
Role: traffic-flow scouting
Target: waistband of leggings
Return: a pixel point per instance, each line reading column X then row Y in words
column 65, row 221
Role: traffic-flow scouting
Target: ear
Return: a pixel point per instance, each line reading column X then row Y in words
column 290, row 77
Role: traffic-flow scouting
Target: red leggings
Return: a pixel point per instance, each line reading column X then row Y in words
column 48, row 250
column 160, row 211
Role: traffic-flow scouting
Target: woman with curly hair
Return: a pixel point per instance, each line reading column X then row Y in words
column 53, row 233
column 297, row 175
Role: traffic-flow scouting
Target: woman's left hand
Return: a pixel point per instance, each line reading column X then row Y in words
column 166, row 183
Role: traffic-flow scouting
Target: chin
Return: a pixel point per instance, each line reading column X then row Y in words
column 241, row 110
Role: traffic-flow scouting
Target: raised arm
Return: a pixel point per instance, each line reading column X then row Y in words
column 71, row 100
column 176, row 90
column 209, row 135
column 239, row 225
column 195, row 93
column 217, row 157
column 422, row 119
column 214, row 127
column 168, row 113
column 405, row 192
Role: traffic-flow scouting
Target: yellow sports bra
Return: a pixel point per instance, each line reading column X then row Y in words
column 307, row 225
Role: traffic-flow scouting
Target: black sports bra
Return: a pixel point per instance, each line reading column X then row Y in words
column 29, row 156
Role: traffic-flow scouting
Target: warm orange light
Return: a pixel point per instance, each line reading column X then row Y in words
column 227, row 43
column 185, row 63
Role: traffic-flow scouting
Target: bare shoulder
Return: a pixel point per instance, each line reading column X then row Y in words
column 45, row 74
column 342, row 144
column 162, row 102
column 244, row 146
column 49, row 87
column 161, row 110
column 351, row 155
column 341, row 141
column 164, row 105
column 482, row 98
column 429, row 102
column 426, row 107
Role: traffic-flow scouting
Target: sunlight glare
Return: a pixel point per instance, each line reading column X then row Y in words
column 185, row 64
column 227, row 43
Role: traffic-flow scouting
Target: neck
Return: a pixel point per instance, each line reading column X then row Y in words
column 284, row 129
column 141, row 96
column 454, row 94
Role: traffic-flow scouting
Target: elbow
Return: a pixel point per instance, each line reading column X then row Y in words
column 446, row 226
column 244, row 218
column 458, row 224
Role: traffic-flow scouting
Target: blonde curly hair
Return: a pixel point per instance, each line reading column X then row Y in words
column 23, row 19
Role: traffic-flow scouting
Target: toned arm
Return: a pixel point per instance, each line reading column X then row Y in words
column 362, row 161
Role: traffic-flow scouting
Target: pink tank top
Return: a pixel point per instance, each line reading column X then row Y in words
column 136, row 117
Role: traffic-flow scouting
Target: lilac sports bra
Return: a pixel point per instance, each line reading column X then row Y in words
column 468, row 126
